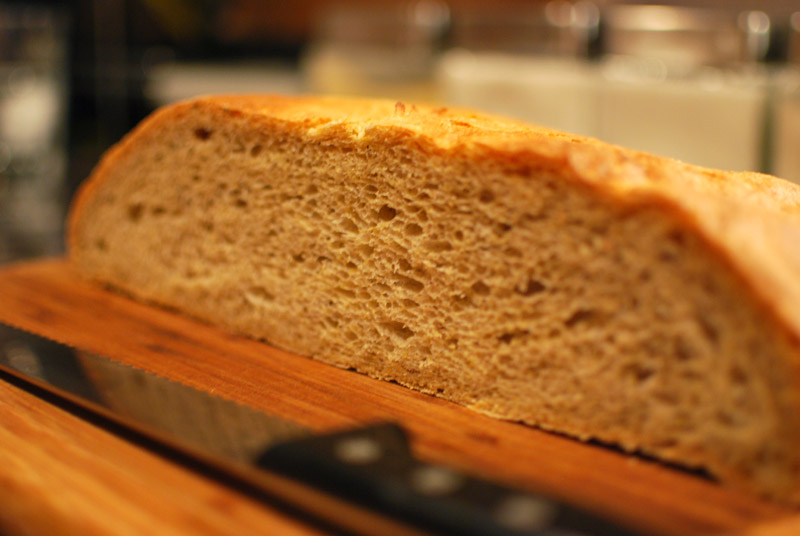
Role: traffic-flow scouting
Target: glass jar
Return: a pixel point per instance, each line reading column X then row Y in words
column 786, row 116
column 528, row 63
column 33, row 93
column 686, row 83
column 377, row 50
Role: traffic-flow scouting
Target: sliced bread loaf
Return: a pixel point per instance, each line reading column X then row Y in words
column 526, row 273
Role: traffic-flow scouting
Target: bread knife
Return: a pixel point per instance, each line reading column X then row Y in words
column 364, row 480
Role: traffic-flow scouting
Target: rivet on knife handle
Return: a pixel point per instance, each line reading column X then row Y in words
column 375, row 467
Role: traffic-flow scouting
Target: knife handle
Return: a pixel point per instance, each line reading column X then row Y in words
column 374, row 467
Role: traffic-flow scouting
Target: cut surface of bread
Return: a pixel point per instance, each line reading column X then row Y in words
column 528, row 274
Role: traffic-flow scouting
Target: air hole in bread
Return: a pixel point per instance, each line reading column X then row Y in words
column 462, row 193
column 349, row 225
column 257, row 295
column 438, row 245
column 691, row 375
column 530, row 287
column 669, row 398
column 135, row 212
column 398, row 329
column 255, row 150
column 581, row 316
column 383, row 287
column 409, row 283
column 346, row 292
column 412, row 229
column 638, row 372
column 725, row 419
column 387, row 213
column 666, row 443
column 481, row 288
column 486, row 196
column 507, row 337
column 502, row 228
column 228, row 237
column 202, row 133
column 737, row 375
column 668, row 255
column 460, row 301
column 683, row 350
column 677, row 237
column 711, row 333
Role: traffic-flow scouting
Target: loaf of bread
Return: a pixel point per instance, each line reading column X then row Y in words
column 525, row 273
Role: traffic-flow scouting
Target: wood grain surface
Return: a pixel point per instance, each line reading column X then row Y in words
column 48, row 298
column 60, row 475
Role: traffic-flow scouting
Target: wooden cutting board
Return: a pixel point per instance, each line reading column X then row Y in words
column 48, row 298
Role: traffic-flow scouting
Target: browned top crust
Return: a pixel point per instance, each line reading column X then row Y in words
column 752, row 220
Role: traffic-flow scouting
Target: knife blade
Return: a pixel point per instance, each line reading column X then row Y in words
column 365, row 480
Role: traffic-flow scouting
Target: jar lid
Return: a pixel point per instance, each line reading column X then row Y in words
column 401, row 24
column 793, row 45
column 558, row 27
column 687, row 35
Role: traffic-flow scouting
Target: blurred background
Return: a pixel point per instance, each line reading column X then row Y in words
column 712, row 82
